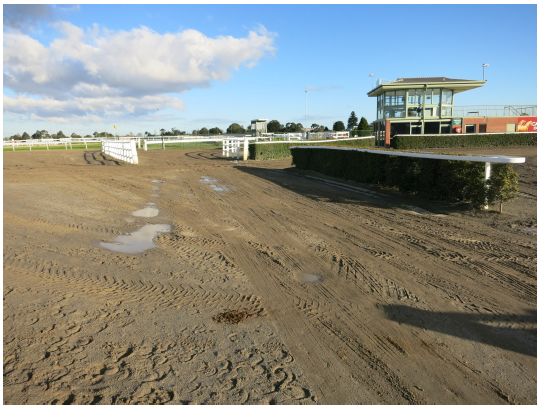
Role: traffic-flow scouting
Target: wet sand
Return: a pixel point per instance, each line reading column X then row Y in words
column 262, row 285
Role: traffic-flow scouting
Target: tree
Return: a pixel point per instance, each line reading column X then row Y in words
column 75, row 135
column 215, row 131
column 60, row 134
column 204, row 131
column 353, row 121
column 338, row 126
column 273, row 126
column 236, row 128
column 364, row 125
column 291, row 127
column 502, row 185
column 25, row 136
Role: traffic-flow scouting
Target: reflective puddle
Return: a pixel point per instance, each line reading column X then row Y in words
column 309, row 278
column 138, row 241
column 215, row 187
column 149, row 211
column 157, row 181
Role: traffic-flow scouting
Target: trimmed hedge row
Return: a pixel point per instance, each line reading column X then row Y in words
column 464, row 140
column 433, row 179
column 260, row 151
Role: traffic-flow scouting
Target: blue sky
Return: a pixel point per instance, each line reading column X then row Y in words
column 142, row 67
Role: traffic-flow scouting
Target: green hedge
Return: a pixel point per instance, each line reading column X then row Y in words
column 260, row 151
column 433, row 179
column 465, row 140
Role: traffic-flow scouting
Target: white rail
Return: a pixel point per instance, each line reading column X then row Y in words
column 146, row 143
column 317, row 141
column 233, row 146
column 125, row 150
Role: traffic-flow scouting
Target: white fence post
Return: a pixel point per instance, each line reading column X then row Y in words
column 246, row 148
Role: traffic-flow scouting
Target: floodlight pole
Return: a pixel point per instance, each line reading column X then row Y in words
column 306, row 112
column 484, row 71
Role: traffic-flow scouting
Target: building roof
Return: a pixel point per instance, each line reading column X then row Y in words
column 457, row 85
column 425, row 80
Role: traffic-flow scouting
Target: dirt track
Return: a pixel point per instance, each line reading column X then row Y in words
column 352, row 295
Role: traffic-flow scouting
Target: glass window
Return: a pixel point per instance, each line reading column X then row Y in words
column 446, row 111
column 400, row 97
column 428, row 97
column 447, row 97
column 437, row 96
column 389, row 98
column 415, row 96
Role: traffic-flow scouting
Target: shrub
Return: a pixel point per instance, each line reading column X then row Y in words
column 450, row 180
column 464, row 140
column 264, row 151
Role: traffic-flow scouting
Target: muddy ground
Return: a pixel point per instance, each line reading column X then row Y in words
column 272, row 286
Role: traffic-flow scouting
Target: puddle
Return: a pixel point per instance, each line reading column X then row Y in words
column 215, row 187
column 138, row 241
column 533, row 230
column 149, row 211
column 130, row 219
column 154, row 195
column 309, row 278
column 155, row 188
column 157, row 181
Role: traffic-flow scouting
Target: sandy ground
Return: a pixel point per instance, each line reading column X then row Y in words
column 351, row 295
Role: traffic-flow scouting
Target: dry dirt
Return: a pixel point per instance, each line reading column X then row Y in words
column 273, row 286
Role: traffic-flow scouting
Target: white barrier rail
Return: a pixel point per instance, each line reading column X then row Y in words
column 318, row 141
column 146, row 143
column 125, row 150
column 234, row 145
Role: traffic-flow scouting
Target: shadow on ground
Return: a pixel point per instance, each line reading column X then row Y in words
column 483, row 328
column 323, row 188
column 98, row 157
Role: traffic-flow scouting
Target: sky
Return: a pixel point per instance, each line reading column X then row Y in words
column 139, row 67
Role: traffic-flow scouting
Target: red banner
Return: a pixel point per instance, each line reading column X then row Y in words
column 527, row 124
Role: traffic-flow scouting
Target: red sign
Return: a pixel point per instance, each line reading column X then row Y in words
column 527, row 124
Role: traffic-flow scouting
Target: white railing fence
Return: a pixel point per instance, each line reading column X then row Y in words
column 125, row 150
column 237, row 147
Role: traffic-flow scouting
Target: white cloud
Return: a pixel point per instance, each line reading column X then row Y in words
column 88, row 109
column 120, row 71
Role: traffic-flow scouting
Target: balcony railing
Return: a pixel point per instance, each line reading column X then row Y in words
column 494, row 110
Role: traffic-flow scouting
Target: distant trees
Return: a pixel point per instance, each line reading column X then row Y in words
column 235, row 128
column 364, row 125
column 339, row 126
column 203, row 131
column 273, row 126
column 353, row 121
column 215, row 131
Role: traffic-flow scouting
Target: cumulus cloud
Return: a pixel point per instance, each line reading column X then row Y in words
column 84, row 69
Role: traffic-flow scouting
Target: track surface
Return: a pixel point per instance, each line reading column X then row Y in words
column 356, row 295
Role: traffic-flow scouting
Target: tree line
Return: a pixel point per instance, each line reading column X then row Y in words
column 273, row 126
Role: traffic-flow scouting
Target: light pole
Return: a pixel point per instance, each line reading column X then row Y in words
column 306, row 112
column 162, row 140
column 371, row 75
column 484, row 71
